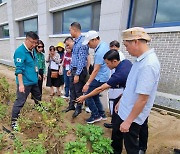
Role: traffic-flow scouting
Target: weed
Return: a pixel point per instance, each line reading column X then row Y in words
column 3, row 110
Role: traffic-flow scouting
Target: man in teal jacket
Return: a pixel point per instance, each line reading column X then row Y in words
column 25, row 60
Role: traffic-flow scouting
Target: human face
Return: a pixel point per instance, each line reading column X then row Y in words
column 60, row 49
column 52, row 51
column 92, row 44
column 69, row 45
column 72, row 31
column 30, row 43
column 40, row 48
column 110, row 64
column 131, row 47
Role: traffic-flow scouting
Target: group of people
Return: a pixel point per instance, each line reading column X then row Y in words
column 132, row 87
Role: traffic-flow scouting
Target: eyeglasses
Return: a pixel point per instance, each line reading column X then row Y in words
column 33, row 41
column 40, row 47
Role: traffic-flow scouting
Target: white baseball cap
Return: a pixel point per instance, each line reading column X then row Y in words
column 92, row 34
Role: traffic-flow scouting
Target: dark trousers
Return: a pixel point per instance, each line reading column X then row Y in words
column 94, row 102
column 40, row 82
column 76, row 89
column 143, row 136
column 114, row 114
column 130, row 138
column 22, row 97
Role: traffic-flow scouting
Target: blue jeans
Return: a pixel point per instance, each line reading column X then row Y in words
column 66, row 82
column 94, row 102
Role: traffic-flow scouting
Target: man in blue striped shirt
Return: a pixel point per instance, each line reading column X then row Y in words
column 78, row 70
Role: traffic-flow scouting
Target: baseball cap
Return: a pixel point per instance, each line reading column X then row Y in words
column 135, row 33
column 89, row 36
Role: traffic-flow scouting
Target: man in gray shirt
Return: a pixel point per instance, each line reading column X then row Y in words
column 139, row 94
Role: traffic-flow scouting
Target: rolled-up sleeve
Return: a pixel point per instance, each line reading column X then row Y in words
column 19, row 62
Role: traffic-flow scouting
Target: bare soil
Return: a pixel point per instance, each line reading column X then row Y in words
column 164, row 130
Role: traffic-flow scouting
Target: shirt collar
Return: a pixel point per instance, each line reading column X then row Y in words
column 77, row 39
column 27, row 48
column 145, row 54
column 97, row 47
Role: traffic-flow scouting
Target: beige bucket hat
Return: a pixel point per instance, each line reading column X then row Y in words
column 135, row 33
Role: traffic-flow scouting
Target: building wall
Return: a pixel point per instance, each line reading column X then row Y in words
column 168, row 52
column 55, row 3
column 24, row 8
column 4, row 50
column 3, row 13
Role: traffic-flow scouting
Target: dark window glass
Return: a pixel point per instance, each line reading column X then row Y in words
column 1, row 1
column 143, row 13
column 168, row 11
column 88, row 16
column 81, row 15
column 28, row 25
column 154, row 13
column 57, row 22
column 4, row 31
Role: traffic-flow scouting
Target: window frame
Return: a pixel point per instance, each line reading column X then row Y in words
column 154, row 25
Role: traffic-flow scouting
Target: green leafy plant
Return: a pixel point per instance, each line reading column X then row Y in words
column 77, row 147
column 31, row 147
column 92, row 134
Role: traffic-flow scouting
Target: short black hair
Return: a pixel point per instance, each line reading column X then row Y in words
column 114, row 43
column 112, row 55
column 32, row 35
column 68, row 38
column 76, row 25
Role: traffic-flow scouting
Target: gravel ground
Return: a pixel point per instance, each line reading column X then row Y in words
column 168, row 102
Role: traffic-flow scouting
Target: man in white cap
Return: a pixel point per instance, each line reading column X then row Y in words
column 138, row 97
column 99, row 76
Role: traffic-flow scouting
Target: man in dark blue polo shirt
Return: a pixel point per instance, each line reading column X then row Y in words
column 118, row 78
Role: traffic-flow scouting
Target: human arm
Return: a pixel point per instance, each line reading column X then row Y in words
column 21, row 85
column 92, row 77
column 93, row 93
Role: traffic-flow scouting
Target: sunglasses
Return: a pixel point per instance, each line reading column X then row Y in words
column 52, row 49
column 40, row 47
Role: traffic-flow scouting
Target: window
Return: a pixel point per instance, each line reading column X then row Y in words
column 154, row 13
column 88, row 16
column 4, row 31
column 2, row 1
column 28, row 25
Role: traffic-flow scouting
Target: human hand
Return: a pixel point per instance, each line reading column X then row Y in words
column 76, row 79
column 81, row 99
column 69, row 73
column 85, row 88
column 124, row 127
column 39, row 76
column 21, row 88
